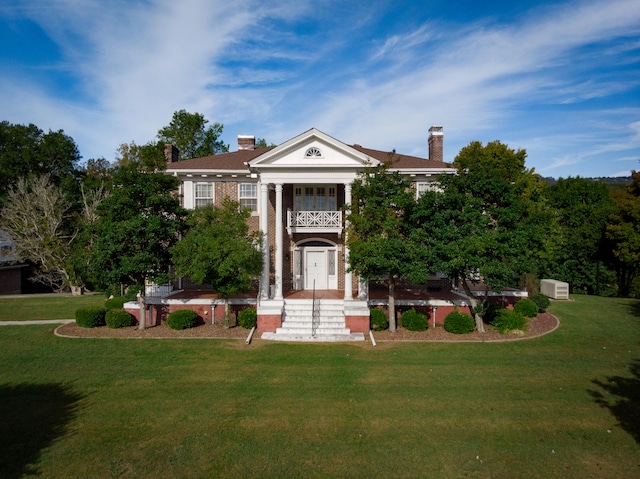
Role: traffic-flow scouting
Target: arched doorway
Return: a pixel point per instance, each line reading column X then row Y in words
column 315, row 264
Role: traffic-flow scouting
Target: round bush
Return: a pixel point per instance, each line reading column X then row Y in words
column 508, row 320
column 379, row 320
column 119, row 318
column 115, row 303
column 414, row 320
column 459, row 323
column 248, row 318
column 182, row 319
column 527, row 308
column 90, row 316
column 542, row 301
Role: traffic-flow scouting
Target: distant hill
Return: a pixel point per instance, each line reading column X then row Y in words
column 609, row 180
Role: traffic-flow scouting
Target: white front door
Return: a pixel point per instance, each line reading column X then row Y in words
column 315, row 269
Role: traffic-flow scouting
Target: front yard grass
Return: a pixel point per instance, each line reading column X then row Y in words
column 560, row 406
column 55, row 306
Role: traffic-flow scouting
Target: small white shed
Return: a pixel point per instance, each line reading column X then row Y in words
column 554, row 289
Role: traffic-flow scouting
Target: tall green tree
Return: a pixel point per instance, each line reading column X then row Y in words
column 191, row 135
column 486, row 223
column 26, row 151
column 378, row 234
column 219, row 250
column 623, row 236
column 582, row 208
column 139, row 221
column 149, row 157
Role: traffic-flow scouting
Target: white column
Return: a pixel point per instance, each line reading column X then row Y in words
column 278, row 293
column 348, row 288
column 264, row 228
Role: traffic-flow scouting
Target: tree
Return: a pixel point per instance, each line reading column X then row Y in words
column 149, row 157
column 219, row 250
column 189, row 133
column 582, row 208
column 36, row 218
column 262, row 143
column 377, row 229
column 623, row 235
column 486, row 223
column 27, row 151
column 138, row 223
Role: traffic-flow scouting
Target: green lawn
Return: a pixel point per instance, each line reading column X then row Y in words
column 561, row 406
column 46, row 307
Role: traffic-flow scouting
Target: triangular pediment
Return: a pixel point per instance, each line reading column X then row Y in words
column 312, row 149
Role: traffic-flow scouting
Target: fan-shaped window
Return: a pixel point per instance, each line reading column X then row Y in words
column 313, row 152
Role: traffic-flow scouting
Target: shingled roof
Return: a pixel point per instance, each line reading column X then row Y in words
column 236, row 161
column 399, row 161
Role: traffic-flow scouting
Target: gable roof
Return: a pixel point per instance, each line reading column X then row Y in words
column 241, row 160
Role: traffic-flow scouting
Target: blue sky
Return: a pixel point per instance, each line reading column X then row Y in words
column 560, row 79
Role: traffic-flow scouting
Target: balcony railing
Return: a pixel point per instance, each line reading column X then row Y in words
column 314, row 221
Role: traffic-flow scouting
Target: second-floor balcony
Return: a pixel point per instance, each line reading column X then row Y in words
column 314, row 222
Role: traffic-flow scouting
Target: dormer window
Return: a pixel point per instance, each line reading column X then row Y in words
column 313, row 152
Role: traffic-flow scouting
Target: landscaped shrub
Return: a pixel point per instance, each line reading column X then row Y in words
column 508, row 320
column 119, row 318
column 90, row 316
column 115, row 303
column 459, row 323
column 379, row 320
column 414, row 320
column 527, row 308
column 248, row 318
column 182, row 319
column 542, row 301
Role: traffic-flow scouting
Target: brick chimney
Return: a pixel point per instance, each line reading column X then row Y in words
column 436, row 140
column 246, row 142
column 171, row 153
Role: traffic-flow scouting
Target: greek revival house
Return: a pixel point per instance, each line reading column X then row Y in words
column 296, row 192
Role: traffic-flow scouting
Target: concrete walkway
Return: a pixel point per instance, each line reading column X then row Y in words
column 37, row 321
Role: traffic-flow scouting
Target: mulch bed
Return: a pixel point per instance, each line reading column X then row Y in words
column 542, row 324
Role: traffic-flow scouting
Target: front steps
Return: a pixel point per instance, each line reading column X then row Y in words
column 301, row 323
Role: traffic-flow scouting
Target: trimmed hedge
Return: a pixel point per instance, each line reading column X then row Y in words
column 459, row 323
column 90, row 316
column 526, row 307
column 248, row 318
column 115, row 303
column 119, row 318
column 542, row 301
column 507, row 320
column 378, row 319
column 414, row 320
column 182, row 319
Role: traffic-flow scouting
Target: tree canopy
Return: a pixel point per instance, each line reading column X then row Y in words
column 484, row 222
column 138, row 223
column 26, row 151
column 218, row 249
column 190, row 134
column 577, row 250
column 377, row 234
column 623, row 236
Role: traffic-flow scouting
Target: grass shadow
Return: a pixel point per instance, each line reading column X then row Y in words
column 635, row 308
column 626, row 405
column 32, row 417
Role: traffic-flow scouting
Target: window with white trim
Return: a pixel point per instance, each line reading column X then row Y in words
column 423, row 187
column 203, row 194
column 248, row 196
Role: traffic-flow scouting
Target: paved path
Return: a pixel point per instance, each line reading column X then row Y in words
column 38, row 321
